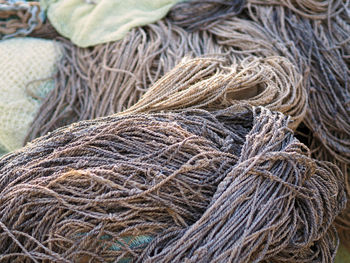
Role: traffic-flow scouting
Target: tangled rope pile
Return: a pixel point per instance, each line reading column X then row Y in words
column 209, row 84
column 126, row 68
column 208, row 178
column 201, row 186
column 109, row 78
column 19, row 18
column 202, row 14
column 317, row 44
column 312, row 9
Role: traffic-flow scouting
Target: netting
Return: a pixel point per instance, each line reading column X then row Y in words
column 27, row 69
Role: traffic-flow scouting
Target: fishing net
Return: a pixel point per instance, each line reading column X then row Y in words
column 27, row 66
column 231, row 185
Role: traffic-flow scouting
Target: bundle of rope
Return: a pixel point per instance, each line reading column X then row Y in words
column 202, row 14
column 19, row 18
column 328, row 117
column 312, row 9
column 229, row 186
column 106, row 79
column 321, row 54
column 109, row 78
column 211, row 84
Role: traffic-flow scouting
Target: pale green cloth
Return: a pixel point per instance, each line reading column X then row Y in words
column 91, row 22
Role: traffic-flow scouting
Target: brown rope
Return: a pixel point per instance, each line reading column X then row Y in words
column 328, row 116
column 309, row 46
column 202, row 14
column 312, row 35
column 214, row 84
column 228, row 186
column 109, row 78
column 311, row 9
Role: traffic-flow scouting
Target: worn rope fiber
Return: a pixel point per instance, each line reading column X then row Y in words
column 109, row 78
column 280, row 30
column 202, row 14
column 312, row 9
column 227, row 186
column 212, row 84
column 328, row 116
column 320, row 55
column 328, row 84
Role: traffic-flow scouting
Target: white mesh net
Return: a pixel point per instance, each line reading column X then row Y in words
column 26, row 69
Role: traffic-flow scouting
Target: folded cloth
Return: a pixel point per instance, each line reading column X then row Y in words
column 91, row 22
column 26, row 66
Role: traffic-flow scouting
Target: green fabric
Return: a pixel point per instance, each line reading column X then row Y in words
column 133, row 242
column 91, row 22
column 2, row 151
column 343, row 255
